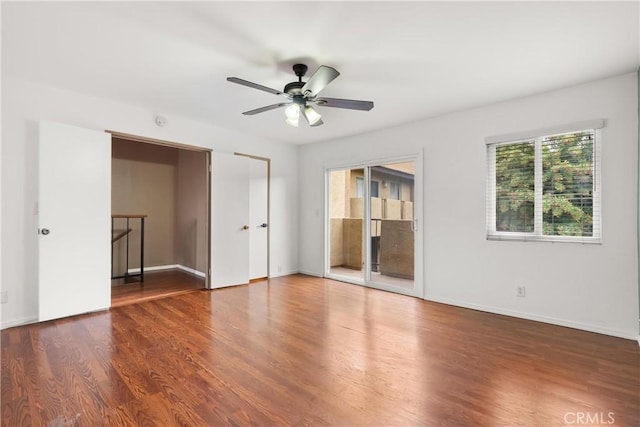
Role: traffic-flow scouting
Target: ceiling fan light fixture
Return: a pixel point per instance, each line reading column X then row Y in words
column 292, row 111
column 292, row 122
column 312, row 115
column 293, row 114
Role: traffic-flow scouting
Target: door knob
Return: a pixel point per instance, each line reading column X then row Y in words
column 263, row 225
column 246, row 227
column 45, row 231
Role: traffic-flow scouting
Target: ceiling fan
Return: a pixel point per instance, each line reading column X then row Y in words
column 301, row 94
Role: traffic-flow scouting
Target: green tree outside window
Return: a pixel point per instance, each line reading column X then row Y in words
column 567, row 185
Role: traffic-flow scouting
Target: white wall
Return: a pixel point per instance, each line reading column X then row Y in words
column 591, row 287
column 25, row 103
column 638, row 201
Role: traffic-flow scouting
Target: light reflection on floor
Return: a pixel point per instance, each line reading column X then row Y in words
column 375, row 277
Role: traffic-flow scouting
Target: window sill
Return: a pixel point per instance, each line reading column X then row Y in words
column 548, row 239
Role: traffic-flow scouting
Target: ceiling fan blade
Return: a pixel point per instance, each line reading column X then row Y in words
column 254, row 85
column 267, row 108
column 319, row 80
column 350, row 104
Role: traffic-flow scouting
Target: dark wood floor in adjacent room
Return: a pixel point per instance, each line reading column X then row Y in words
column 299, row 350
column 157, row 284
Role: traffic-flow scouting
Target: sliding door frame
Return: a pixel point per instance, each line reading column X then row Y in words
column 419, row 285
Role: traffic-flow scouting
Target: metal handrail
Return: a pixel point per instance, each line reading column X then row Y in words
column 126, row 233
column 121, row 235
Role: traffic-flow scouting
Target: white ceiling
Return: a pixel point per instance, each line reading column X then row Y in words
column 414, row 60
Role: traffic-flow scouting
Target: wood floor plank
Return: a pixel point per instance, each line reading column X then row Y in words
column 300, row 351
column 17, row 412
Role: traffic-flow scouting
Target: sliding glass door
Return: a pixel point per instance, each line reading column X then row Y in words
column 392, row 225
column 371, row 229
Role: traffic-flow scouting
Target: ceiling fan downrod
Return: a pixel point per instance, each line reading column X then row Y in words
column 293, row 88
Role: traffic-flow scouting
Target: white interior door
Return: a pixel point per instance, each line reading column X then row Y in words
column 229, row 220
column 74, row 221
column 258, row 243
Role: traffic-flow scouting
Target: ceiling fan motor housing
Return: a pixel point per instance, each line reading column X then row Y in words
column 300, row 70
column 294, row 88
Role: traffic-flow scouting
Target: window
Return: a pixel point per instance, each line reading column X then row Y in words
column 374, row 189
column 360, row 188
column 545, row 188
column 394, row 190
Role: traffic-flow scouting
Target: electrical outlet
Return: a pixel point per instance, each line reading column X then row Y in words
column 520, row 291
column 4, row 297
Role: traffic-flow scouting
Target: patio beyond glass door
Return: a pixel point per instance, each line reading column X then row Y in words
column 371, row 227
column 346, row 224
column 392, row 240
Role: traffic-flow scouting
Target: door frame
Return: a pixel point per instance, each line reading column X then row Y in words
column 208, row 152
column 418, row 203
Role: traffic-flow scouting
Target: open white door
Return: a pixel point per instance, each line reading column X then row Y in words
column 229, row 220
column 258, row 245
column 74, row 221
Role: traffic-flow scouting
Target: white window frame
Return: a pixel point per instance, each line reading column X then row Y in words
column 536, row 137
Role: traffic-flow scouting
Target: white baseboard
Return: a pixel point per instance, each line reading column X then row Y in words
column 192, row 271
column 538, row 318
column 18, row 322
column 168, row 267
column 153, row 268
column 283, row 273
column 201, row 274
column 311, row 273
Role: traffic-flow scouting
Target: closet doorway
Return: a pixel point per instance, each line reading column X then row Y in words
column 77, row 213
column 159, row 191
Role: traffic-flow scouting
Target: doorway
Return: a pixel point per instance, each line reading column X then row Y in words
column 160, row 215
column 372, row 237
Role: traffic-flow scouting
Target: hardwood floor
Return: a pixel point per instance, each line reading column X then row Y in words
column 157, row 284
column 300, row 351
